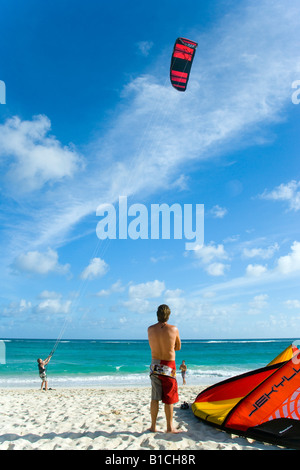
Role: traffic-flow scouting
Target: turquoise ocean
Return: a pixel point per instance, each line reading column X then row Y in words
column 96, row 363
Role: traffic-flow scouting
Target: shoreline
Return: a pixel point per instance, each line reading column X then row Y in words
column 106, row 418
column 134, row 380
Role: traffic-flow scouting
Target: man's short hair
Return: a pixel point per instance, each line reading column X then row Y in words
column 163, row 313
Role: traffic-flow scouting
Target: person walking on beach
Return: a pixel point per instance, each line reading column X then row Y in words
column 42, row 371
column 164, row 340
column 183, row 369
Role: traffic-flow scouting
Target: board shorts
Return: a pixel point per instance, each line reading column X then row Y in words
column 43, row 376
column 164, row 387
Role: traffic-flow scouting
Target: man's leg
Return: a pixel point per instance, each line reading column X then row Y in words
column 169, row 417
column 154, row 412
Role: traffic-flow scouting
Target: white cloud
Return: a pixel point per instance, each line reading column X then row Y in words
column 151, row 289
column 24, row 305
column 256, row 270
column 174, row 299
column 233, row 92
column 173, row 293
column 285, row 265
column 97, row 268
column 264, row 253
column 208, row 254
column 285, row 268
column 17, row 307
column 292, row 303
column 51, row 303
column 159, row 258
column 46, row 294
column 258, row 304
column 38, row 158
column 54, row 306
column 191, row 309
column 144, row 47
column 217, row 269
column 289, row 193
column 290, row 263
column 114, row 288
column 141, row 296
column 35, row 262
column 142, row 306
column 218, row 212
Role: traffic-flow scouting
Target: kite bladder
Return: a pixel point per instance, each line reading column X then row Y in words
column 181, row 62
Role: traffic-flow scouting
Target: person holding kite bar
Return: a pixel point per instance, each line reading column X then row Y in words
column 42, row 371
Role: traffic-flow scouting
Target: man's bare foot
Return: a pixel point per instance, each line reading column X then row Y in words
column 174, row 431
column 153, row 429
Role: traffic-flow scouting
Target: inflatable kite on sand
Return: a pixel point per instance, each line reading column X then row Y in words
column 181, row 62
column 263, row 404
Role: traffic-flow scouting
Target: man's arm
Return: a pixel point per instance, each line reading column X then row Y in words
column 177, row 342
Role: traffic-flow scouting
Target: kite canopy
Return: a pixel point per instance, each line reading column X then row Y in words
column 181, row 62
column 263, row 404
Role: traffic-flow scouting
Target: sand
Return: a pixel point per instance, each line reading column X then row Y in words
column 106, row 419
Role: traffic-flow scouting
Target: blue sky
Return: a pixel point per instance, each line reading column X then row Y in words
column 90, row 115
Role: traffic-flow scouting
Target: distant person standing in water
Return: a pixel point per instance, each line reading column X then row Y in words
column 183, row 369
column 164, row 340
column 42, row 371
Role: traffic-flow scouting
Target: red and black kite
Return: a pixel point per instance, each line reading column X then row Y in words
column 181, row 62
column 263, row 404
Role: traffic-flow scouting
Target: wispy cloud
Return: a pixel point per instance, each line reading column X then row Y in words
column 284, row 268
column 241, row 80
column 144, row 47
column 141, row 296
column 290, row 263
column 289, row 193
column 41, row 263
column 210, row 256
column 53, row 306
column 96, row 268
column 264, row 253
column 218, row 212
column 32, row 156
column 116, row 287
column 258, row 304
column 295, row 303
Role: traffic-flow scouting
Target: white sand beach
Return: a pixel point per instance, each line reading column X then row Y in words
column 106, row 419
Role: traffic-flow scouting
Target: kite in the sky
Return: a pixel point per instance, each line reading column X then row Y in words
column 181, row 62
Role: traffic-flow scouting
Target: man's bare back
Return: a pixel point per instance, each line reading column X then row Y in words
column 164, row 340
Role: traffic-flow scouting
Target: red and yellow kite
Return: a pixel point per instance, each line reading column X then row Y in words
column 263, row 404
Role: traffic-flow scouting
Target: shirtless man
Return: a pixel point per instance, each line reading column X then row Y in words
column 183, row 368
column 164, row 340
